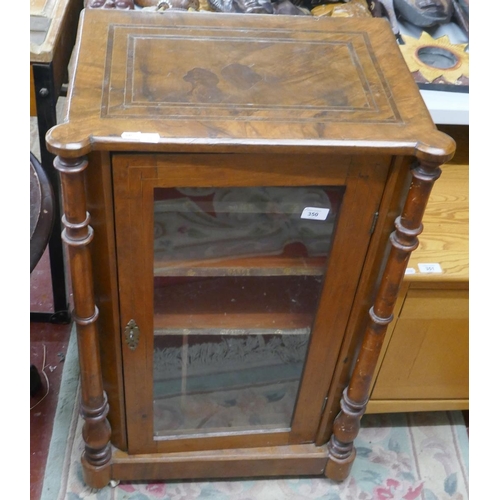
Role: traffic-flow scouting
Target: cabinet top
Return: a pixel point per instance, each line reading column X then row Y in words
column 212, row 82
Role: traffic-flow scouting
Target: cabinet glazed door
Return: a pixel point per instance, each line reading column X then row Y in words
column 236, row 278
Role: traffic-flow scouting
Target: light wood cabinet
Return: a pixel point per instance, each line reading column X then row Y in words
column 424, row 364
column 242, row 195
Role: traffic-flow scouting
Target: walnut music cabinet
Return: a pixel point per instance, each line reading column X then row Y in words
column 241, row 197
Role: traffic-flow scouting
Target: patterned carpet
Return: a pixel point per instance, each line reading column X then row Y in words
column 403, row 456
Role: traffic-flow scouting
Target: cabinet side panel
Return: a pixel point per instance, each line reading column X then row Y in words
column 391, row 205
column 103, row 254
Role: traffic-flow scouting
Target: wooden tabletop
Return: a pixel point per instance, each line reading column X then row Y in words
column 179, row 81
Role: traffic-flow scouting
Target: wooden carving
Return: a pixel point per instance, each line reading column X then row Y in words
column 257, row 7
column 162, row 5
column 385, row 8
column 110, row 4
column 425, row 13
column 432, row 59
column 354, row 8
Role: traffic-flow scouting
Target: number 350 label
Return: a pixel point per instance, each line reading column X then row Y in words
column 315, row 213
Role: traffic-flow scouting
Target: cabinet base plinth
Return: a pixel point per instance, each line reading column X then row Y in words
column 96, row 477
column 339, row 470
column 293, row 460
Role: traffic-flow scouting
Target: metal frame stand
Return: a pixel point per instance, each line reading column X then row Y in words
column 46, row 100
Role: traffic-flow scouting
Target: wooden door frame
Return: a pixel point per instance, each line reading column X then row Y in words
column 135, row 177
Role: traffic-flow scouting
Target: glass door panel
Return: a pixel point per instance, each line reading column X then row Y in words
column 238, row 276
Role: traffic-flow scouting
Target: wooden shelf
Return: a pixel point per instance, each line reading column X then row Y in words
column 249, row 266
column 217, row 331
column 236, row 305
column 219, row 324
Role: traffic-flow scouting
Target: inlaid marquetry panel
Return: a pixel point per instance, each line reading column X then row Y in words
column 230, row 73
column 180, row 81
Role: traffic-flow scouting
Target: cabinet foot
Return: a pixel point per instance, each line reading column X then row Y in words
column 339, row 469
column 96, row 476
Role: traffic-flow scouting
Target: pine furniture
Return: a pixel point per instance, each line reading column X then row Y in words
column 241, row 198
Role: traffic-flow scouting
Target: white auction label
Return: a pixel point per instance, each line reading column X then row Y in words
column 410, row 270
column 430, row 268
column 315, row 213
column 141, row 136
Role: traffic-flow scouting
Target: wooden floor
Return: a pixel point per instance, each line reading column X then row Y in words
column 49, row 343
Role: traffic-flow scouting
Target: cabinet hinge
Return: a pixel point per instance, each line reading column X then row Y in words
column 324, row 404
column 132, row 334
column 374, row 222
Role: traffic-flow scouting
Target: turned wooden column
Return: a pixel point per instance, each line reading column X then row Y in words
column 77, row 235
column 341, row 451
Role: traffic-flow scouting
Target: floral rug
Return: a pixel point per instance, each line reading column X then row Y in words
column 403, row 456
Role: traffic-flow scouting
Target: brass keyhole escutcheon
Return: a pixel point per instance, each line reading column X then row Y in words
column 132, row 334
